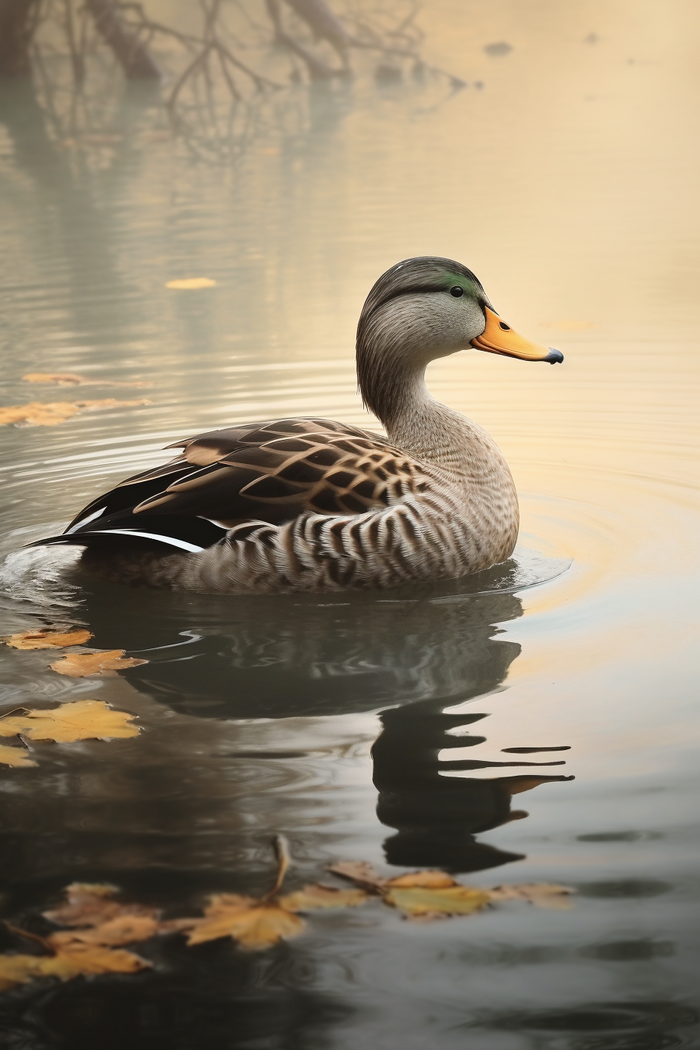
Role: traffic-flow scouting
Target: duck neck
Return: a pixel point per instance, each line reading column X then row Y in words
column 429, row 430
column 417, row 423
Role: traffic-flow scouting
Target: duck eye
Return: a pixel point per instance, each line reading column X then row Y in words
column 456, row 291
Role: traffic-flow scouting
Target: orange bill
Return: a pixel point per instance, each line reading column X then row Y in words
column 499, row 338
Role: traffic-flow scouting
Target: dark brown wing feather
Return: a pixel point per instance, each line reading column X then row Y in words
column 274, row 471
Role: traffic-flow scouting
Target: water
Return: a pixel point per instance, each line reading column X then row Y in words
column 379, row 727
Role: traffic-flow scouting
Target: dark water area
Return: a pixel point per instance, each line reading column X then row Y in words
column 535, row 723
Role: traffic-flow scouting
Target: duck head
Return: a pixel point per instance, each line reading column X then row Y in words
column 422, row 309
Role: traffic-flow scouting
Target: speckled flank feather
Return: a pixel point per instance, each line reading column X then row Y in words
column 315, row 505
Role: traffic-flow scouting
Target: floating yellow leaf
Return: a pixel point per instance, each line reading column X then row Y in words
column 320, row 896
column 73, row 379
column 123, row 929
column 47, row 639
column 542, row 894
column 80, row 720
column 105, row 924
column 106, row 664
column 449, row 900
column 87, row 904
column 361, row 872
column 190, row 283
column 14, row 756
column 50, row 414
column 93, row 904
column 435, row 893
column 17, row 969
column 427, row 880
column 253, row 923
column 76, row 959
column 71, row 960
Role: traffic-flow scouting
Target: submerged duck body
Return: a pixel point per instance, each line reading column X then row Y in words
column 315, row 505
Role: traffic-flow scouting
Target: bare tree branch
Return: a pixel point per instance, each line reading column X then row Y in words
column 132, row 54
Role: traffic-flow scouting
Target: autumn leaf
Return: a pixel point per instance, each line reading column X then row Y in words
column 124, row 928
column 105, row 923
column 427, row 880
column 447, row 900
column 542, row 894
column 190, row 283
column 260, row 923
column 76, row 959
column 253, row 923
column 69, row 961
column 18, row 969
column 435, row 893
column 106, row 664
column 15, row 756
column 87, row 904
column 46, row 638
column 79, row 720
column 320, row 896
column 50, row 414
column 73, row 379
column 361, row 872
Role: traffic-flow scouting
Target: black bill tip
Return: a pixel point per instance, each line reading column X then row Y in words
column 555, row 357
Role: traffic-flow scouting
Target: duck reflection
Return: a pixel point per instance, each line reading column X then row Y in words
column 290, row 656
column 437, row 817
column 236, row 659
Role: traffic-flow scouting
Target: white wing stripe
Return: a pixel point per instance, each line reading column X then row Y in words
column 184, row 545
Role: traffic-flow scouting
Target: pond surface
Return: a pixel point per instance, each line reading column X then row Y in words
column 396, row 729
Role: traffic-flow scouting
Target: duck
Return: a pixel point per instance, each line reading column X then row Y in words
column 314, row 505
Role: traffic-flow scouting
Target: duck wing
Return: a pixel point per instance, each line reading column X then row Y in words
column 270, row 471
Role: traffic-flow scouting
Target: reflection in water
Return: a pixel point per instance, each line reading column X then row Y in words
column 170, row 825
column 217, row 658
column 437, row 817
column 260, row 657
column 609, row 1025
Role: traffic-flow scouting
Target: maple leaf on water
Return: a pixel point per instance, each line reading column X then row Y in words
column 425, row 880
column 18, row 969
column 542, row 894
column 74, row 959
column 96, row 947
column 15, row 756
column 448, row 900
column 69, row 961
column 260, row 923
column 93, row 904
column 99, row 925
column 122, row 929
column 361, row 872
column 320, row 896
column 253, row 923
column 79, row 720
column 46, row 638
column 51, row 413
column 435, row 894
column 106, row 664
